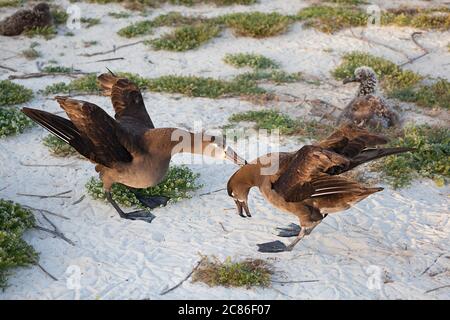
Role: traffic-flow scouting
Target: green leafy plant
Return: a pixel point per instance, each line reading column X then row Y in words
column 12, row 121
column 59, row 15
column 10, row 3
column 423, row 18
column 252, row 60
column 277, row 76
column 12, row 93
column 89, row 22
column 58, row 147
column 267, row 119
column 85, row 84
column 430, row 159
column 31, row 53
column 137, row 29
column 14, row 251
column 257, row 24
column 331, row 19
column 177, row 185
column 186, row 37
column 47, row 33
column 57, row 69
column 119, row 15
column 247, row 273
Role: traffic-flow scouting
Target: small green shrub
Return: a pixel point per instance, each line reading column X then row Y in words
column 31, row 53
column 202, row 87
column 137, row 29
column 58, row 147
column 12, row 121
column 45, row 32
column 277, row 76
column 267, row 119
column 347, row 2
column 430, row 160
column 437, row 18
column 252, row 60
column 247, row 273
column 257, row 24
column 59, row 15
column 331, row 19
column 89, row 22
column 119, row 15
column 10, row 3
column 85, row 84
column 14, row 251
column 12, row 93
column 186, row 37
column 177, row 185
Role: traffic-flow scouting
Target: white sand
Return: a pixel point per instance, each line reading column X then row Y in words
column 399, row 233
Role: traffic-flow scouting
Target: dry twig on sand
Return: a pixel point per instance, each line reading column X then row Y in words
column 46, row 74
column 182, row 281
column 425, row 50
column 56, row 232
column 113, row 50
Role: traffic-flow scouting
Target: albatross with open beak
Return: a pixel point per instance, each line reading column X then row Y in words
column 307, row 183
column 128, row 149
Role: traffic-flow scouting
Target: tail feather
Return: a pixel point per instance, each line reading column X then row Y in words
column 60, row 127
column 376, row 153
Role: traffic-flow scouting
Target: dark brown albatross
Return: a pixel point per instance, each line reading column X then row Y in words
column 26, row 19
column 127, row 149
column 307, row 182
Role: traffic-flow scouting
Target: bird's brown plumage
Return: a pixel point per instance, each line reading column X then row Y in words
column 26, row 19
column 308, row 182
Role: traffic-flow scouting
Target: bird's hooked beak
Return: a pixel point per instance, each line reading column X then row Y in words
column 242, row 206
column 231, row 155
column 348, row 80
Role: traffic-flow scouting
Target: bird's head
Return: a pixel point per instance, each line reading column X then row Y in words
column 41, row 8
column 238, row 188
column 367, row 79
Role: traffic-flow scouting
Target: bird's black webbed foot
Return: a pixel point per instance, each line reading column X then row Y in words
column 152, row 202
column 142, row 215
column 272, row 247
column 291, row 231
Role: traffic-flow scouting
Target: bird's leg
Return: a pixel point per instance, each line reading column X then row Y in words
column 135, row 215
column 278, row 246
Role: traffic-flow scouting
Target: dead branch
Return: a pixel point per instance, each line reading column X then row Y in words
column 371, row 41
column 46, row 211
column 8, row 68
column 438, row 288
column 425, row 50
column 46, row 74
column 79, row 200
column 111, row 59
column 56, row 232
column 43, row 196
column 46, row 272
column 113, row 50
column 182, row 281
column 45, row 165
column 432, row 264
column 295, row 281
column 211, row 192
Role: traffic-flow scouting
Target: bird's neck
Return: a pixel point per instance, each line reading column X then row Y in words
column 368, row 86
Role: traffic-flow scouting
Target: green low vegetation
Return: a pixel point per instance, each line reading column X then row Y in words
column 401, row 84
column 179, row 182
column 59, row 15
column 119, row 15
column 330, row 19
column 14, row 251
column 12, row 121
column 267, row 119
column 89, row 22
column 12, row 93
column 252, row 60
column 186, row 37
column 272, row 119
column 86, row 84
column 430, row 160
column 10, row 3
column 58, row 147
column 45, row 32
column 434, row 18
column 257, row 24
column 276, row 76
column 247, row 273
column 143, row 4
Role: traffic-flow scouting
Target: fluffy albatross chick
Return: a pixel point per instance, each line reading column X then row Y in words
column 26, row 19
column 368, row 108
column 128, row 149
column 307, row 182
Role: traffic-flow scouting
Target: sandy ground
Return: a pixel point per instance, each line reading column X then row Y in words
column 393, row 245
